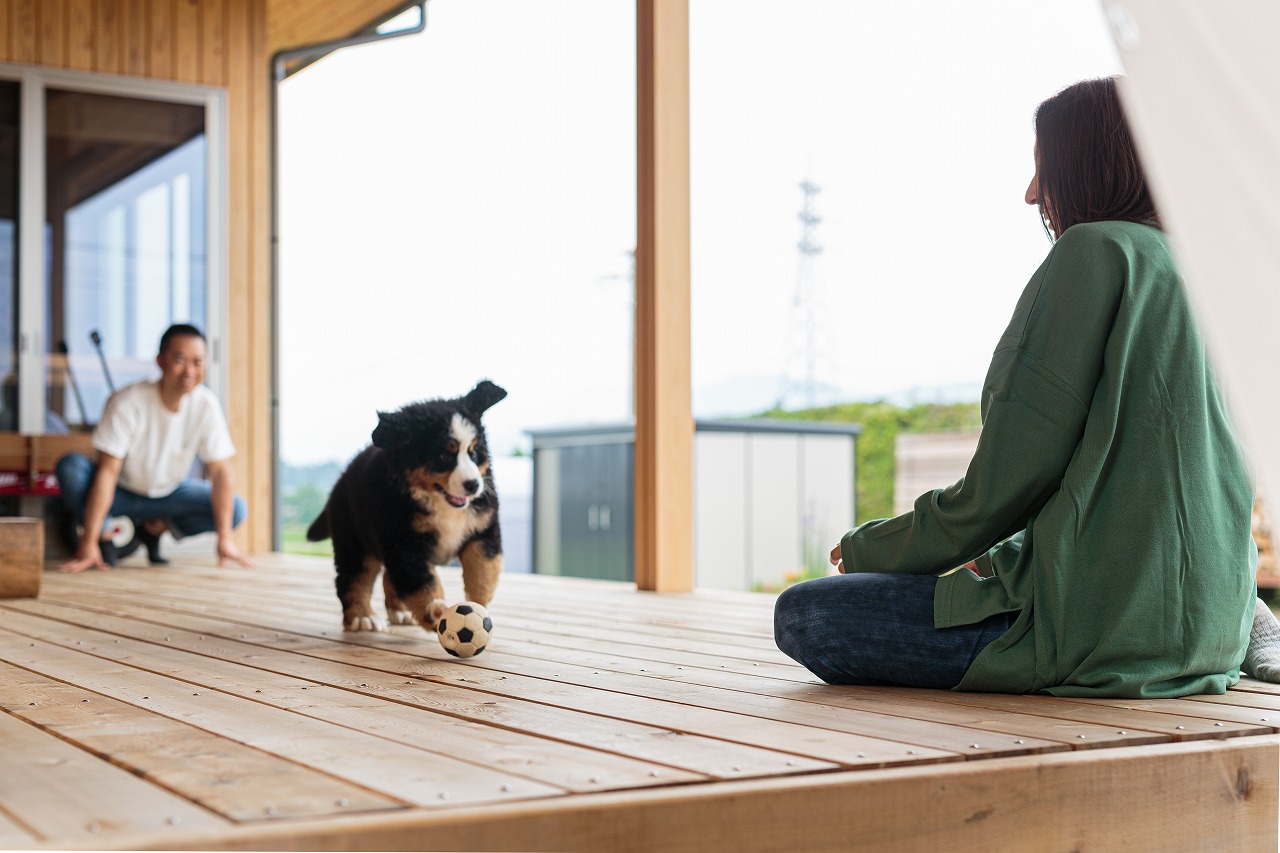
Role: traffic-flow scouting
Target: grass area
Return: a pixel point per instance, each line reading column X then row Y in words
column 293, row 540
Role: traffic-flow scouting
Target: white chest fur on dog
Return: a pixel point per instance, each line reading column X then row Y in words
column 452, row 526
column 465, row 471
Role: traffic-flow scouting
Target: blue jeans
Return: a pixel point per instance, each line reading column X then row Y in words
column 188, row 509
column 877, row 629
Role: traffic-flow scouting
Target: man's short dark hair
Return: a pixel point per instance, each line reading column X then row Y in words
column 179, row 330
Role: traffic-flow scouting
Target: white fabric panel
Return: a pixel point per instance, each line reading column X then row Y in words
column 1203, row 95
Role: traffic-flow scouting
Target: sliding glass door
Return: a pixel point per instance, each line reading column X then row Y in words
column 125, row 186
column 109, row 232
column 9, row 134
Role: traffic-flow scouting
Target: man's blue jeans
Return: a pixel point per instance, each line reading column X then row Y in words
column 877, row 629
column 188, row 509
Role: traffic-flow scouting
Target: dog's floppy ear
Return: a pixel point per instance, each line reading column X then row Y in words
column 481, row 397
column 391, row 433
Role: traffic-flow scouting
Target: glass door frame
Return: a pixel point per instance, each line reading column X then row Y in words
column 32, row 348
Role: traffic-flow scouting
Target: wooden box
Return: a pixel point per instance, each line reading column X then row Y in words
column 21, row 557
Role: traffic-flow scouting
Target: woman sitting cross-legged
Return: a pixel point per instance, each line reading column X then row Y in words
column 1103, row 524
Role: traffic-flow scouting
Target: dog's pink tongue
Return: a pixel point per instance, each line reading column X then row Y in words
column 458, row 502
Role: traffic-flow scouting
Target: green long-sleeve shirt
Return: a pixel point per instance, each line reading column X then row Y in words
column 1108, row 502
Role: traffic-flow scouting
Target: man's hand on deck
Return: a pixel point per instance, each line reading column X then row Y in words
column 88, row 556
column 835, row 559
column 227, row 550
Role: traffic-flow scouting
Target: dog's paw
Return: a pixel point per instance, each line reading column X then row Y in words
column 364, row 623
column 436, row 609
column 400, row 617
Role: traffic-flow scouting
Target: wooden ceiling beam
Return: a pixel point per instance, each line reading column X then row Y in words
column 298, row 23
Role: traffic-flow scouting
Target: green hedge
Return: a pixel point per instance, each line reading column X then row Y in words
column 881, row 422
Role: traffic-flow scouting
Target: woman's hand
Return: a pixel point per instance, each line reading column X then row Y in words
column 835, row 559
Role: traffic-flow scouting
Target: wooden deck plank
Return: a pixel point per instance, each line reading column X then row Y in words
column 14, row 835
column 916, row 732
column 692, row 708
column 207, row 661
column 62, row 792
column 412, row 775
column 222, row 775
column 1164, row 798
column 643, row 680
column 387, row 652
column 553, row 625
column 1169, row 722
column 1188, row 706
column 1077, row 733
column 660, row 746
column 1261, row 701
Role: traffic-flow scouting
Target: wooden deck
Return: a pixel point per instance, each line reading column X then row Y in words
column 192, row 707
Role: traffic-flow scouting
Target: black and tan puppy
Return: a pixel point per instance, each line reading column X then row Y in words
column 420, row 497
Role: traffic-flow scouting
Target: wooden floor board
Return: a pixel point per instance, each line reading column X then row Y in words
column 14, row 835
column 860, row 743
column 410, row 774
column 348, row 695
column 357, row 669
column 61, row 791
column 1216, row 723
column 227, row 708
column 223, row 775
column 639, row 635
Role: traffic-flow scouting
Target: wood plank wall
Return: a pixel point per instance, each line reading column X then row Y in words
column 228, row 44
column 215, row 43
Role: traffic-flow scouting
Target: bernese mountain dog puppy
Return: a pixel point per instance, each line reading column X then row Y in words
column 421, row 496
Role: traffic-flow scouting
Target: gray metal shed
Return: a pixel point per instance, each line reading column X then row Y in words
column 771, row 497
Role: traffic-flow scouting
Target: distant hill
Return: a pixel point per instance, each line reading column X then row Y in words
column 321, row 476
column 745, row 396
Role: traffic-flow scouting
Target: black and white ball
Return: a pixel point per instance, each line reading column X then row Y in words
column 464, row 629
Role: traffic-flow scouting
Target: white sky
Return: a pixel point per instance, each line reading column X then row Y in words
column 460, row 204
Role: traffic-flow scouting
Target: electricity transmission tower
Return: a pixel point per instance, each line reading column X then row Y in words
column 804, row 307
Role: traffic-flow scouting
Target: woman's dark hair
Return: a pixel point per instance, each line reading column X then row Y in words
column 1088, row 165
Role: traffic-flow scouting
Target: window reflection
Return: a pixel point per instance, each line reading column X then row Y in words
column 8, row 255
column 125, row 242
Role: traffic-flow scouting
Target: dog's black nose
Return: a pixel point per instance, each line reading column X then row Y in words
column 472, row 486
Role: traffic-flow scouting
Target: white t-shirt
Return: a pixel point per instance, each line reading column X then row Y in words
column 159, row 446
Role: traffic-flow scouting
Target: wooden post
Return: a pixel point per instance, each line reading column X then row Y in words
column 664, row 415
column 21, row 557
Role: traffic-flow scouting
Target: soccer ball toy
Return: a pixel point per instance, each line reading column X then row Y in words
column 464, row 629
